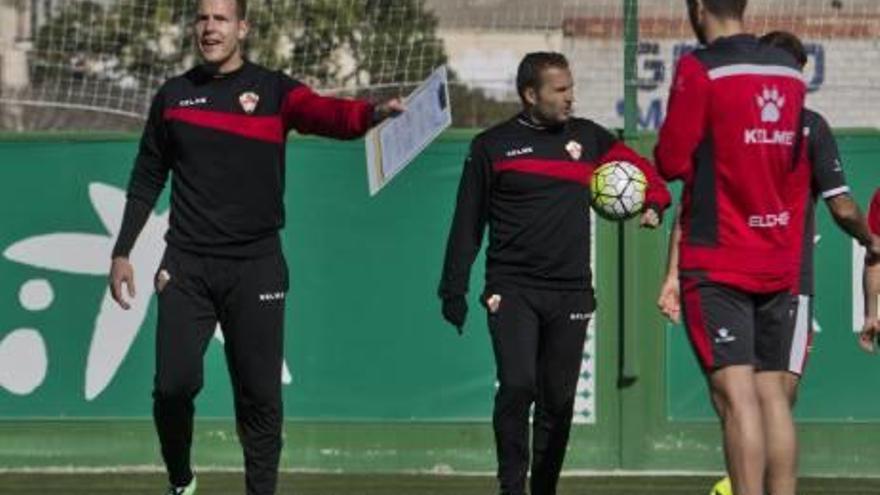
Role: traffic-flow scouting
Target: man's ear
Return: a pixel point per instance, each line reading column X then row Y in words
column 530, row 95
column 244, row 28
column 701, row 10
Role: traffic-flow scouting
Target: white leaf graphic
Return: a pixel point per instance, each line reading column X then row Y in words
column 115, row 328
column 109, row 202
column 82, row 254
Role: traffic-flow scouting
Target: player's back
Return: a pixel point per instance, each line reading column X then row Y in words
column 736, row 220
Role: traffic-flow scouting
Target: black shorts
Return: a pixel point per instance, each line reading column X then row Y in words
column 727, row 326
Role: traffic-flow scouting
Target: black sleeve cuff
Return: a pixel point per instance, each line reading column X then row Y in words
column 133, row 220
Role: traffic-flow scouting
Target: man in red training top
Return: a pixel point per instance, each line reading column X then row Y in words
column 730, row 133
column 820, row 176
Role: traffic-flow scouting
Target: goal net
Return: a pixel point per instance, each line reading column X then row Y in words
column 94, row 64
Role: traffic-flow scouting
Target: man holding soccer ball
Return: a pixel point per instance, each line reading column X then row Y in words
column 528, row 179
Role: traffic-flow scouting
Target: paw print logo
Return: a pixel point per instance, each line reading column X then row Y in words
column 770, row 102
column 24, row 359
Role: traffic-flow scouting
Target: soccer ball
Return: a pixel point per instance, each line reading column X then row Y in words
column 617, row 190
column 723, row 487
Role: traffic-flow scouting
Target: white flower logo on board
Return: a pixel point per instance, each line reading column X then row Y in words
column 24, row 359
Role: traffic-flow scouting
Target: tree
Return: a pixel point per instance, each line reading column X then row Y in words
column 398, row 42
column 132, row 41
column 342, row 44
column 331, row 44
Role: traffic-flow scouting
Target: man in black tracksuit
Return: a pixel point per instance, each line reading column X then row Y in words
column 220, row 130
column 528, row 179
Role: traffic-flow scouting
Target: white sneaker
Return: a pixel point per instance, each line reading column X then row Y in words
column 189, row 489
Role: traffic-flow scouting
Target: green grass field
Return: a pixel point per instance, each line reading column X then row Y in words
column 33, row 483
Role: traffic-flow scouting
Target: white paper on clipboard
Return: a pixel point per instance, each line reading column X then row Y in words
column 393, row 144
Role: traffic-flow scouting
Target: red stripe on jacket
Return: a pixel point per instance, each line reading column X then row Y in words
column 559, row 169
column 263, row 128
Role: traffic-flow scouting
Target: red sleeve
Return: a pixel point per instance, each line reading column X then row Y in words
column 657, row 194
column 874, row 213
column 685, row 122
column 311, row 113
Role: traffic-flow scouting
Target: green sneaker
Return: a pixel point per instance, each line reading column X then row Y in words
column 189, row 489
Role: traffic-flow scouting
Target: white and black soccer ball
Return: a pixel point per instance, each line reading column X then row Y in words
column 617, row 190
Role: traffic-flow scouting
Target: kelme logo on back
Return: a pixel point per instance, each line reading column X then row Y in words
column 770, row 102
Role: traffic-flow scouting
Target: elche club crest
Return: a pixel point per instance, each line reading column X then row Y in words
column 248, row 101
column 574, row 149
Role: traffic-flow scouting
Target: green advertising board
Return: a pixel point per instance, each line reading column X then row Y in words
column 364, row 336
column 374, row 379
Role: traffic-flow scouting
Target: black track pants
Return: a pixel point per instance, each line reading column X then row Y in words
column 246, row 296
column 538, row 340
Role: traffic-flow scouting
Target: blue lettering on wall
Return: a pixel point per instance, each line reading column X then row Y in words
column 816, row 54
column 653, row 69
column 652, row 65
column 649, row 119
